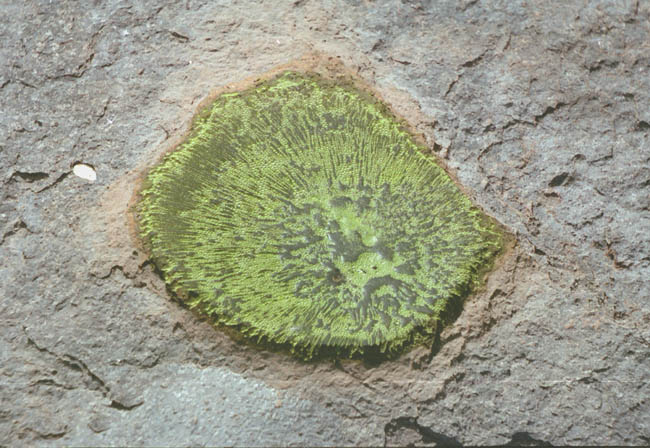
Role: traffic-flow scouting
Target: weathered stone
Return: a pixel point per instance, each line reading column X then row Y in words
column 510, row 95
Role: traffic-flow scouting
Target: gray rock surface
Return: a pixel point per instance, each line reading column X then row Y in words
column 542, row 111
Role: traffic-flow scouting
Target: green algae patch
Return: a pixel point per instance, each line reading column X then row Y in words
column 302, row 214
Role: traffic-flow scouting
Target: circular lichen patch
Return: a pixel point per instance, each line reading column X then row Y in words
column 301, row 213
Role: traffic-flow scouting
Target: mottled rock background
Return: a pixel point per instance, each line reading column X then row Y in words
column 540, row 108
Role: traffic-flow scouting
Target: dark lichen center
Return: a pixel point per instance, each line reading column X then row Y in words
column 339, row 247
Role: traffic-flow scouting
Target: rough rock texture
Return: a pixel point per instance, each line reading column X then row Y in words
column 542, row 112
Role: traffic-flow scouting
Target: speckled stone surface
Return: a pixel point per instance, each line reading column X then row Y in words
column 541, row 112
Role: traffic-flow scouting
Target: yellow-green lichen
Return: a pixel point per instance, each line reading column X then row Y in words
column 301, row 213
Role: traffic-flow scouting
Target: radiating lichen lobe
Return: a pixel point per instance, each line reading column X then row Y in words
column 301, row 212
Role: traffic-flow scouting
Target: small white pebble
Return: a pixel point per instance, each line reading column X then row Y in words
column 85, row 172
